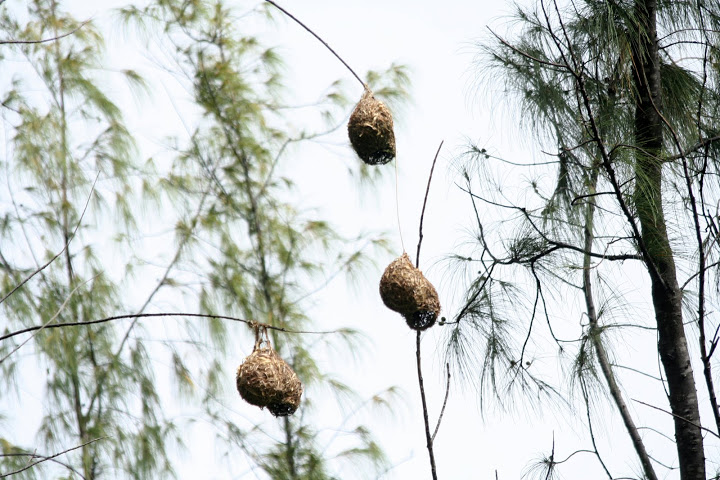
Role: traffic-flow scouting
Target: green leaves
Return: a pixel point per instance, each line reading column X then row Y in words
column 212, row 223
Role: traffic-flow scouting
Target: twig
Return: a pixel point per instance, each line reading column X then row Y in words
column 67, row 245
column 45, row 459
column 44, row 40
column 555, row 243
column 548, row 63
column 145, row 315
column 422, row 214
column 442, row 410
column 551, row 467
column 429, row 439
column 678, row 416
column 586, row 398
column 40, row 327
column 700, row 144
column 50, row 457
column 320, row 39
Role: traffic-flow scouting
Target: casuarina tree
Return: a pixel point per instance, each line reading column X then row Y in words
column 623, row 98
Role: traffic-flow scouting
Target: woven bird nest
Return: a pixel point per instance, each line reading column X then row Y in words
column 266, row 380
column 371, row 130
column 404, row 289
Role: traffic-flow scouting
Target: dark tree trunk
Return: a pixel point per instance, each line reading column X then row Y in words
column 666, row 295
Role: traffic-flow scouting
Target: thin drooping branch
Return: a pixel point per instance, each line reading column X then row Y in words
column 422, row 214
column 538, row 290
column 428, row 437
column 556, row 244
column 151, row 315
column 67, row 245
column 703, row 143
column 447, row 394
column 678, row 417
column 586, row 399
column 319, row 39
column 44, row 40
column 47, row 324
column 707, row 367
column 45, row 459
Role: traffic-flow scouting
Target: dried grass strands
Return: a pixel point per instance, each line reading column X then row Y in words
column 266, row 380
column 371, row 130
column 404, row 289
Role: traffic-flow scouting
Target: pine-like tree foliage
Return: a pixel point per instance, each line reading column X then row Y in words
column 569, row 71
column 243, row 246
column 63, row 132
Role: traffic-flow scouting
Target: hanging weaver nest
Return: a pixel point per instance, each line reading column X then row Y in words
column 404, row 289
column 371, row 130
column 266, row 380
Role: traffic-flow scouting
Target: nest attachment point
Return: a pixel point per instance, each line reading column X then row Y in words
column 266, row 380
column 371, row 130
column 404, row 289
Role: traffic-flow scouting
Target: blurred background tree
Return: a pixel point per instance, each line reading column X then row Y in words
column 244, row 247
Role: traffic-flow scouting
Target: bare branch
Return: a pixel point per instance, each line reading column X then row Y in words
column 705, row 142
column 50, row 457
column 555, row 243
column 48, row 324
column 150, row 315
column 442, row 410
column 320, row 39
column 428, row 437
column 678, row 417
column 67, row 244
column 422, row 214
column 44, row 458
column 45, row 40
column 527, row 55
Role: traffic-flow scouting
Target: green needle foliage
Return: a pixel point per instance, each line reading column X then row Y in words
column 63, row 133
column 623, row 98
column 243, row 246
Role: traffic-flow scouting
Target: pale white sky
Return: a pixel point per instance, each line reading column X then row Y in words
column 435, row 39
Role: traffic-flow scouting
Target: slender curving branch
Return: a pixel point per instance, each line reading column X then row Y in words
column 442, row 410
column 44, row 459
column 428, row 437
column 319, row 39
column 681, row 418
column 41, row 327
column 44, row 40
column 422, row 214
column 152, row 315
column 67, row 245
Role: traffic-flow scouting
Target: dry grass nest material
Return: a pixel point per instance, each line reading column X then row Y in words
column 404, row 289
column 371, row 130
column 266, row 380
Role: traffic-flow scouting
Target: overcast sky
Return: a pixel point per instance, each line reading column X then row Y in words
column 436, row 40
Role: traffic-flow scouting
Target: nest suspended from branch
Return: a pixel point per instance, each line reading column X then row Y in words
column 266, row 380
column 371, row 130
column 404, row 289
